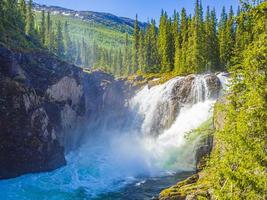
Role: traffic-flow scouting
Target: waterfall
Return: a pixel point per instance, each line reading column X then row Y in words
column 167, row 118
column 153, row 145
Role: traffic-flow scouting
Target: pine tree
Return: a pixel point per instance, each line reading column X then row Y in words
column 127, row 56
column 42, row 28
column 197, row 41
column 11, row 11
column 190, row 49
column 229, row 38
column 177, row 41
column 23, row 14
column 30, row 31
column 120, row 64
column 59, row 45
column 48, row 33
column 141, row 52
column 2, row 19
column 68, row 46
column 166, row 43
column 135, row 46
column 214, row 49
column 222, row 39
column 211, row 42
column 78, row 58
column 180, row 53
column 153, row 65
column 162, row 35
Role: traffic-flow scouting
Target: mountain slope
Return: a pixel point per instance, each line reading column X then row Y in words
column 106, row 30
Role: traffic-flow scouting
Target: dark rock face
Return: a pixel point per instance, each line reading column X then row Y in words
column 43, row 101
column 27, row 139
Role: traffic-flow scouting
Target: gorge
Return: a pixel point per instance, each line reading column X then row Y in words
column 104, row 136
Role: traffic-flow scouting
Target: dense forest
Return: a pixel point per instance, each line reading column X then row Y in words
column 182, row 44
column 238, row 164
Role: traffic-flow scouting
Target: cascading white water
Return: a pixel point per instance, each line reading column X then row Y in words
column 111, row 159
column 169, row 149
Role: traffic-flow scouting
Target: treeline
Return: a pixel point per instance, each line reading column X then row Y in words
column 182, row 44
column 20, row 29
column 17, row 26
column 187, row 44
column 237, row 169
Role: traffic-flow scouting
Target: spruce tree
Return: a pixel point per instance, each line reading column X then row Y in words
column 162, row 35
column 229, row 38
column 154, row 65
column 166, row 43
column 197, row 54
column 120, row 64
column 59, row 44
column 180, row 53
column 48, row 33
column 30, row 31
column 23, row 14
column 12, row 14
column 127, row 56
column 78, row 56
column 211, row 42
column 214, row 49
column 42, row 28
column 141, row 52
column 190, row 48
column 222, row 39
column 135, row 46
column 177, row 41
column 2, row 19
column 68, row 46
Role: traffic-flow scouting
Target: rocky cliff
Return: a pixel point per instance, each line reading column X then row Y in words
column 42, row 101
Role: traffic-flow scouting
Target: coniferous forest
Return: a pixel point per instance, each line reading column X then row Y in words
column 180, row 44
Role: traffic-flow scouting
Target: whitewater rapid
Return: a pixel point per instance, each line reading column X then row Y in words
column 111, row 159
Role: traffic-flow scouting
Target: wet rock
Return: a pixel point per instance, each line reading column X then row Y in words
column 185, row 91
column 45, row 106
column 214, row 86
column 27, row 143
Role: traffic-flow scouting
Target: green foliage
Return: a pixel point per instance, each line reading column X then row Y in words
column 238, row 165
column 166, row 43
column 13, row 19
column 30, row 30
column 211, row 45
column 42, row 28
column 202, row 131
column 127, row 62
column 23, row 13
column 59, row 45
column 135, row 58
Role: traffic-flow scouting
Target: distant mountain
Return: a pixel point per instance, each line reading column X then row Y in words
column 106, row 19
column 93, row 33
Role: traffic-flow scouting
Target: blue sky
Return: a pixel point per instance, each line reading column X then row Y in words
column 145, row 9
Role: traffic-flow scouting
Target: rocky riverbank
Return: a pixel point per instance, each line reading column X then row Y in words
column 43, row 103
